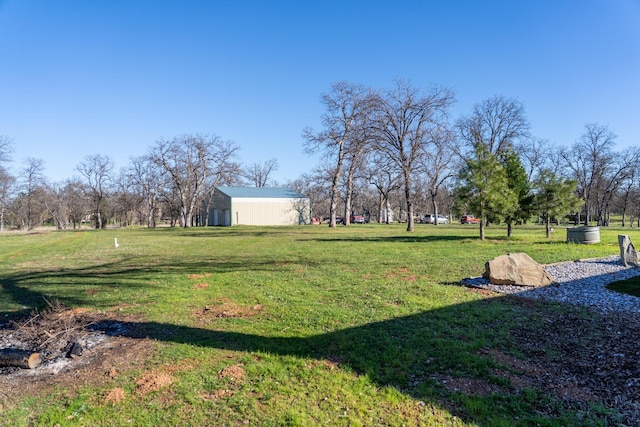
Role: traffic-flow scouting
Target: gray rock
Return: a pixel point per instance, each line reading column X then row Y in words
column 628, row 253
column 516, row 269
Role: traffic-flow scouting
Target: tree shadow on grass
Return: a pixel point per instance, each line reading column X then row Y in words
column 415, row 354
column 33, row 289
column 390, row 239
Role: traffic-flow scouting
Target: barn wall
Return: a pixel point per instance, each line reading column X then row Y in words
column 219, row 212
column 266, row 211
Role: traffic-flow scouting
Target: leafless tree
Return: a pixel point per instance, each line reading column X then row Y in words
column 316, row 186
column 439, row 164
column 97, row 171
column 76, row 203
column 145, row 177
column 124, row 204
column 54, row 203
column 189, row 160
column 6, row 148
column 405, row 118
column 536, row 155
column 7, row 182
column 226, row 171
column 386, row 179
column 497, row 123
column 31, row 179
column 347, row 106
column 259, row 174
column 591, row 161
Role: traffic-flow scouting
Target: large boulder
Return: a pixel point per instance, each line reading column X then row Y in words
column 628, row 253
column 516, row 269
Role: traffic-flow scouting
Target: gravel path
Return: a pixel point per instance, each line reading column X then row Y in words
column 580, row 283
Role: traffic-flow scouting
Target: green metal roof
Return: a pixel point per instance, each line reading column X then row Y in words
column 260, row 192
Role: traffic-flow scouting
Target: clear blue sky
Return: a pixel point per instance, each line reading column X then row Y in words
column 110, row 77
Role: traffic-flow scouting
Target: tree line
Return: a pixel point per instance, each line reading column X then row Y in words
column 399, row 151
column 392, row 154
column 169, row 184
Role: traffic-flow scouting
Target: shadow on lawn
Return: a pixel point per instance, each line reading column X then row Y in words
column 126, row 275
column 391, row 239
column 411, row 353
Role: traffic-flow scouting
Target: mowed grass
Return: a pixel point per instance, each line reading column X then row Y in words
column 349, row 326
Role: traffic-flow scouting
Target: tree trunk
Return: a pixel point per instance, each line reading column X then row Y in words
column 547, row 224
column 435, row 205
column 407, row 194
column 481, row 223
column 509, row 229
column 20, row 358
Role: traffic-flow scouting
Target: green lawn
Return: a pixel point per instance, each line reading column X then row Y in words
column 351, row 326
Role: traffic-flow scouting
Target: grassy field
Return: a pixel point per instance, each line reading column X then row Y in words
column 361, row 325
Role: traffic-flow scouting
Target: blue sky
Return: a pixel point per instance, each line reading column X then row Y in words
column 110, row 77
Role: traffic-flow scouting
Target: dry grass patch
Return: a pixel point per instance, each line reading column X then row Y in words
column 153, row 381
column 234, row 373
column 115, row 395
column 199, row 276
column 216, row 395
column 227, row 308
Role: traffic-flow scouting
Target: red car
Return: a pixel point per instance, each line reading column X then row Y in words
column 469, row 219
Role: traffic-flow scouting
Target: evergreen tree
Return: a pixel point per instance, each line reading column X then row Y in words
column 555, row 196
column 484, row 187
column 520, row 185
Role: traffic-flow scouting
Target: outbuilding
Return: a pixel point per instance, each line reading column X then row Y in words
column 258, row 206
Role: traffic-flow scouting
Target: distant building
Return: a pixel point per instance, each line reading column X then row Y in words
column 258, row 206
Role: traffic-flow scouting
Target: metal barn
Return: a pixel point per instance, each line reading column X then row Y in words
column 258, row 206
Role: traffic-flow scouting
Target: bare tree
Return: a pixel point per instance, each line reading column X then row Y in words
column 7, row 182
column 536, row 155
column 439, row 163
column 405, row 118
column 593, row 164
column 346, row 107
column 497, row 123
column 189, row 161
column 386, row 179
column 259, row 173
column 144, row 174
column 97, row 170
column 32, row 178
column 225, row 171
column 54, row 202
column 6, row 148
column 6, row 179
column 77, row 206
column 317, row 187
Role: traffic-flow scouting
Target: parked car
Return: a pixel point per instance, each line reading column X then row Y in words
column 430, row 219
column 358, row 219
column 469, row 219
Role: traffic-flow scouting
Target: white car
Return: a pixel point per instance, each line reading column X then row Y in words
column 430, row 219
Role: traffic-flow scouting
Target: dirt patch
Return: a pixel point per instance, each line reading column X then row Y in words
column 468, row 386
column 153, row 381
column 216, row 395
column 116, row 395
column 235, row 373
column 227, row 308
column 578, row 358
column 199, row 276
column 403, row 274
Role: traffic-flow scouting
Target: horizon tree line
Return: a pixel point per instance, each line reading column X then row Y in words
column 391, row 154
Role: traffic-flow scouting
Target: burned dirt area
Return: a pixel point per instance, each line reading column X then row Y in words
column 74, row 348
